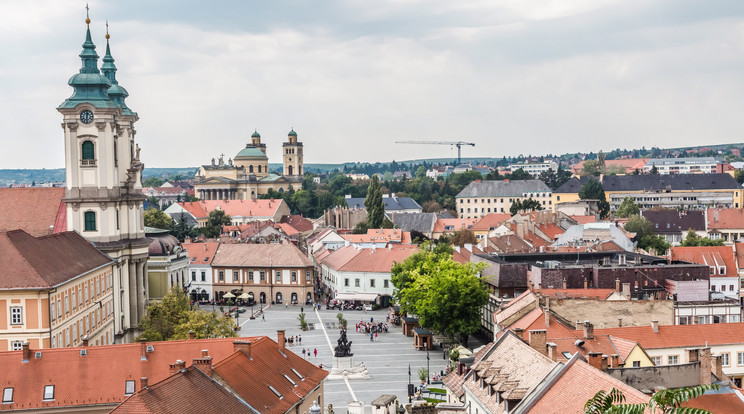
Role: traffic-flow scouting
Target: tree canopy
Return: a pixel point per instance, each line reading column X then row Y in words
column 627, row 208
column 374, row 204
column 692, row 239
column 593, row 190
column 667, row 401
column 158, row 219
column 215, row 221
column 645, row 235
column 528, row 204
column 447, row 296
column 171, row 318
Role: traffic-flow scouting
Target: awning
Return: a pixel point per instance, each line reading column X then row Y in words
column 364, row 297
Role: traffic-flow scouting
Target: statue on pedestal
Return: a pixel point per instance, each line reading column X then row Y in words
column 343, row 349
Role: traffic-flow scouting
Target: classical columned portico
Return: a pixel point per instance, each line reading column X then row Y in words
column 218, row 194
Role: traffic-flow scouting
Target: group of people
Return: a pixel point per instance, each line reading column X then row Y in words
column 290, row 340
column 371, row 327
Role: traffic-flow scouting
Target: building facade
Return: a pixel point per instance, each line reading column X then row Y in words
column 696, row 165
column 482, row 197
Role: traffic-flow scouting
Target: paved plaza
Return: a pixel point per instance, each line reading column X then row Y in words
column 387, row 359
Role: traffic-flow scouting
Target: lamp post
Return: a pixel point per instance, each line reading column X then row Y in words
column 410, row 386
column 428, row 374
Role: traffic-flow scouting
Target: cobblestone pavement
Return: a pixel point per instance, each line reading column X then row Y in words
column 387, row 359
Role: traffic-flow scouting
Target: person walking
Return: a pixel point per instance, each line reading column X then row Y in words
column 302, row 309
column 263, row 317
column 315, row 351
column 303, row 353
column 299, row 339
column 371, row 337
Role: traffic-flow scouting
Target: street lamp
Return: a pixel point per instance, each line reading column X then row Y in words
column 428, row 374
column 410, row 386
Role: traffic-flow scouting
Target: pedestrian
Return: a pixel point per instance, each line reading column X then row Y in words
column 315, row 351
column 375, row 336
column 299, row 339
column 371, row 319
column 263, row 317
column 302, row 309
column 303, row 352
column 371, row 337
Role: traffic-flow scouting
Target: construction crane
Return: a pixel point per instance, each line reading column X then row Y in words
column 458, row 144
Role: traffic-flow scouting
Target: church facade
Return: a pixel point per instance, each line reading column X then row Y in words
column 103, row 194
column 247, row 176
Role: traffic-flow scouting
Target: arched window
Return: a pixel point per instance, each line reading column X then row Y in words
column 250, row 168
column 259, row 168
column 90, row 221
column 289, row 170
column 278, row 297
column 89, row 152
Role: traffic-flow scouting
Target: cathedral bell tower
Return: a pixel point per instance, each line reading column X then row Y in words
column 103, row 176
column 292, row 157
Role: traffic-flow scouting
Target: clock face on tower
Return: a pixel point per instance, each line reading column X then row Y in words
column 86, row 116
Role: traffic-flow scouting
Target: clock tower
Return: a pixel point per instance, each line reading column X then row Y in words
column 103, row 176
column 292, row 157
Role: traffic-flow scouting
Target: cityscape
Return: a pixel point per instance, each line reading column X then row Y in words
column 546, row 260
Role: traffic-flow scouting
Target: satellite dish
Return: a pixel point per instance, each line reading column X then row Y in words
column 579, row 343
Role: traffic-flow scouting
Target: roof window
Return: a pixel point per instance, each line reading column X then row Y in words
column 275, row 391
column 8, row 395
column 294, row 384
column 48, row 392
column 566, row 354
column 298, row 374
column 129, row 387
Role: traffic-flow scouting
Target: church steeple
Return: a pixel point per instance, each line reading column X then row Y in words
column 89, row 85
column 116, row 91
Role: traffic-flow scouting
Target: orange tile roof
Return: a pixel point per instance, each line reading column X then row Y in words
column 725, row 218
column 577, row 383
column 234, row 208
column 99, row 377
column 462, row 255
column 606, row 344
column 380, row 236
column 246, row 254
column 287, row 229
column 600, row 294
column 200, row 253
column 457, row 224
column 298, row 222
column 35, row 209
column 490, row 221
column 378, row 260
column 718, row 403
column 525, row 321
column 584, row 219
column 630, row 165
column 677, row 336
column 551, row 230
column 710, row 256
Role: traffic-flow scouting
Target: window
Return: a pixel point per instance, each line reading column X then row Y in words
column 203, row 276
column 16, row 345
column 307, row 276
column 386, row 283
column 656, row 360
column 725, row 359
column 236, row 276
column 673, row 359
column 193, row 276
column 636, row 364
column 8, row 395
column 346, row 282
column 294, row 276
column 52, row 311
column 80, row 296
column 740, row 358
column 278, row 276
column 356, row 282
column 74, row 303
column 733, row 318
column 90, row 221
column 371, row 283
column 59, row 308
column 16, row 315
column 74, row 333
column 221, row 276
column 129, row 387
column 89, row 152
column 86, row 291
column 48, row 392
column 702, row 320
column 262, row 275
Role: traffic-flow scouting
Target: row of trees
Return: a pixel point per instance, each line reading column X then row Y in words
column 181, row 228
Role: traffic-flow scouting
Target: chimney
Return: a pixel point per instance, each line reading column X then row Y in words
column 506, row 181
column 619, row 322
column 565, row 284
column 588, row 330
column 693, row 355
column 26, row 351
column 205, row 353
column 717, row 367
column 243, row 345
column 143, row 350
column 192, row 335
column 604, row 362
column 280, row 339
column 552, row 351
column 655, row 326
column 615, row 360
column 579, row 325
column 85, row 341
column 143, row 383
column 586, row 284
column 705, row 366
column 539, row 288
column 203, row 364
column 626, row 289
column 538, row 340
column 617, row 285
column 595, row 360
column 177, row 366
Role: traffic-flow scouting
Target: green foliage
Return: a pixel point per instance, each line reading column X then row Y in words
column 692, row 239
column 520, row 174
column 593, row 190
column 739, row 176
column 158, row 219
column 591, row 167
column 526, row 205
column 668, row 401
column 215, row 221
column 171, row 318
column 303, row 322
column 446, row 296
column 645, row 236
column 420, row 172
column 423, row 373
column 462, row 237
column 153, row 182
column 374, row 204
column 555, row 179
column 181, row 228
column 627, row 208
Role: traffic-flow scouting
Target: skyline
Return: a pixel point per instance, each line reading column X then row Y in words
column 352, row 78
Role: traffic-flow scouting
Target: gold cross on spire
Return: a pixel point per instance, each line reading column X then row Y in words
column 87, row 15
column 107, row 34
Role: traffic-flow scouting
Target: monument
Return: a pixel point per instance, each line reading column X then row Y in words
column 343, row 363
column 343, row 349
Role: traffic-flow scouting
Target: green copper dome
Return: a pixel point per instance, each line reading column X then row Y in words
column 251, row 152
column 89, row 86
column 256, row 135
column 116, row 92
column 292, row 133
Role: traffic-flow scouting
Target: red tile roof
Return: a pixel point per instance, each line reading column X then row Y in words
column 234, row 208
column 287, row 229
column 551, row 230
column 490, row 221
column 99, row 377
column 714, row 256
column 584, row 219
column 245, row 254
column 441, row 225
column 200, row 253
column 44, row 262
column 725, row 218
column 378, row 260
column 380, row 236
column 298, row 222
column 676, row 336
column 35, row 209
column 718, row 403
column 462, row 255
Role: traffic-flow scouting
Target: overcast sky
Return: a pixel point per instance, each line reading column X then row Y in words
column 354, row 76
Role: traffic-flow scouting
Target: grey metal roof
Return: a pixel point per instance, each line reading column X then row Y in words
column 573, row 185
column 502, row 188
column 423, row 222
column 392, row 204
column 661, row 182
column 666, row 222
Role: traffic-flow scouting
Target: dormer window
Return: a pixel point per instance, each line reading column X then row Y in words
column 722, row 270
column 129, row 387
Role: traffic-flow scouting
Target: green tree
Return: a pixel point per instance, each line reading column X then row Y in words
column 528, row 204
column 645, row 236
column 462, row 237
column 668, row 401
column 654, row 170
column 447, row 296
column 204, row 325
column 627, row 208
column 374, row 205
column 593, row 190
column 590, row 167
column 520, row 174
column 420, row 172
column 158, row 219
column 153, row 182
column 215, row 221
column 181, row 228
column 692, row 239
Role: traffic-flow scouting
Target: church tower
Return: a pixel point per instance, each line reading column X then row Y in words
column 103, row 176
column 292, row 157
